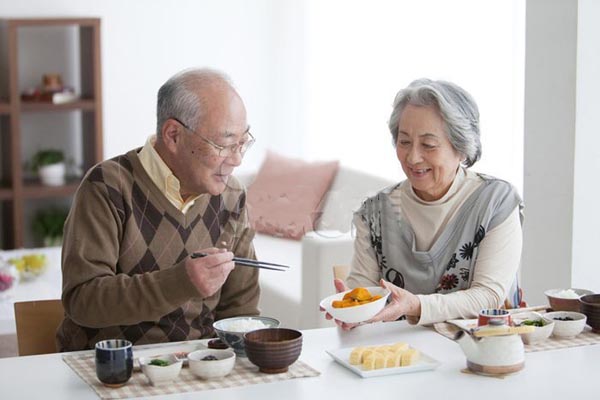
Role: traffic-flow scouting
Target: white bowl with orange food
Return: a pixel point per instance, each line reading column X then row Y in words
column 356, row 305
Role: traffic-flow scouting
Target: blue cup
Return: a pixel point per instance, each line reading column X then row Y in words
column 114, row 362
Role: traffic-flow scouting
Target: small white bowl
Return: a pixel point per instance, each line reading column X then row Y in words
column 157, row 374
column 207, row 369
column 359, row 313
column 540, row 333
column 566, row 329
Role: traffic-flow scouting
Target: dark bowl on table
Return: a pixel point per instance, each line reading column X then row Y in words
column 273, row 350
column 590, row 306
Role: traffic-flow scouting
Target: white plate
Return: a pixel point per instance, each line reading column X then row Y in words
column 342, row 356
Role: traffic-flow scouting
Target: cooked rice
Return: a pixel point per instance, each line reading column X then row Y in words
column 245, row 325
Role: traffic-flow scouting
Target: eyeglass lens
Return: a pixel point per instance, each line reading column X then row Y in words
column 241, row 147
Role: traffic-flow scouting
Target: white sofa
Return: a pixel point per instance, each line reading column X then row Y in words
column 293, row 296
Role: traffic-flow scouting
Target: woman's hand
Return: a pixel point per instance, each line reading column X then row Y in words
column 402, row 303
column 340, row 286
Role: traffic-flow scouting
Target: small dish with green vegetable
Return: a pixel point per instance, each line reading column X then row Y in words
column 159, row 369
column 543, row 327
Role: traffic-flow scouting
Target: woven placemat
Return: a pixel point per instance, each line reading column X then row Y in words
column 244, row 373
column 587, row 337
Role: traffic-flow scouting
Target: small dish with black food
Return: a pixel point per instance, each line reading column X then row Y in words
column 211, row 363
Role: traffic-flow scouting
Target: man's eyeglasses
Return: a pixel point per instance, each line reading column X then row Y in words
column 223, row 151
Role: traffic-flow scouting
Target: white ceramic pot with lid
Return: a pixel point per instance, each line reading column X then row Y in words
column 494, row 350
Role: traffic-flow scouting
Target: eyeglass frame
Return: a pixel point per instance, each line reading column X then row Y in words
column 234, row 148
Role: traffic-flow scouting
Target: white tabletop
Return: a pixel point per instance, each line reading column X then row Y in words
column 565, row 373
column 44, row 287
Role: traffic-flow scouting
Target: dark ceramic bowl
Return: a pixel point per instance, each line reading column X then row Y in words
column 273, row 350
column 590, row 306
column 231, row 330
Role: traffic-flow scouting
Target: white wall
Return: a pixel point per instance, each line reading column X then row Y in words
column 586, row 191
column 144, row 42
column 360, row 57
column 561, row 147
column 317, row 82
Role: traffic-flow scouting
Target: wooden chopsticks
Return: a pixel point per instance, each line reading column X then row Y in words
column 501, row 330
column 250, row 263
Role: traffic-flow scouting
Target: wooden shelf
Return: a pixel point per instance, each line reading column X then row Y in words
column 85, row 105
column 5, row 193
column 87, row 77
column 33, row 189
column 53, row 22
column 4, row 107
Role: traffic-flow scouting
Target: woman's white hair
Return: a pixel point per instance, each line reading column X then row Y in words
column 457, row 108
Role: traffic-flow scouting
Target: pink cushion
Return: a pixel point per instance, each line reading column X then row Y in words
column 285, row 198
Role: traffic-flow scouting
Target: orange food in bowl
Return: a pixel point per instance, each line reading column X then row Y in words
column 355, row 297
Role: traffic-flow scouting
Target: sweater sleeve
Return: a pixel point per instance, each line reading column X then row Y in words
column 241, row 291
column 495, row 270
column 364, row 271
column 94, row 294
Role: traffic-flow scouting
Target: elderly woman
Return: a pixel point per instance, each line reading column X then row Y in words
column 447, row 241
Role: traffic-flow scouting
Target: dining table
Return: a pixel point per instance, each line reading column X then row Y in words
column 560, row 373
column 46, row 286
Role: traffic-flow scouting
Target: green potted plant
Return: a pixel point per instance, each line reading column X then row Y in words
column 50, row 166
column 48, row 225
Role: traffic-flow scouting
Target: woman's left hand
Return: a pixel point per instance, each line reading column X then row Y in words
column 402, row 303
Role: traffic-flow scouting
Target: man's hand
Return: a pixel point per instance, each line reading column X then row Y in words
column 209, row 273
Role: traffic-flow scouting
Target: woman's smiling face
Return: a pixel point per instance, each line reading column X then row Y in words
column 427, row 157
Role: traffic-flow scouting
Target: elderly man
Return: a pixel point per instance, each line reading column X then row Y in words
column 137, row 218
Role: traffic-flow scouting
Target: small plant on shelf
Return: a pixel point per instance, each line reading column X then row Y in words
column 48, row 225
column 50, row 166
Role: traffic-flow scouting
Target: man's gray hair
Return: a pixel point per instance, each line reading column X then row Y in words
column 457, row 108
column 181, row 96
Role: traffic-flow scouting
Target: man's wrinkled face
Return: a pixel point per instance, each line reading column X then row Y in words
column 202, row 169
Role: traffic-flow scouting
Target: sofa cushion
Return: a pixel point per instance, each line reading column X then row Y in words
column 285, row 198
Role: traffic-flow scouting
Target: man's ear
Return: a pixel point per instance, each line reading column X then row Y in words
column 171, row 133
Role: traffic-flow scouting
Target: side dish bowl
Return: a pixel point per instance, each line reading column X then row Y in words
column 157, row 374
column 567, row 324
column 356, row 314
column 540, row 333
column 208, row 364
